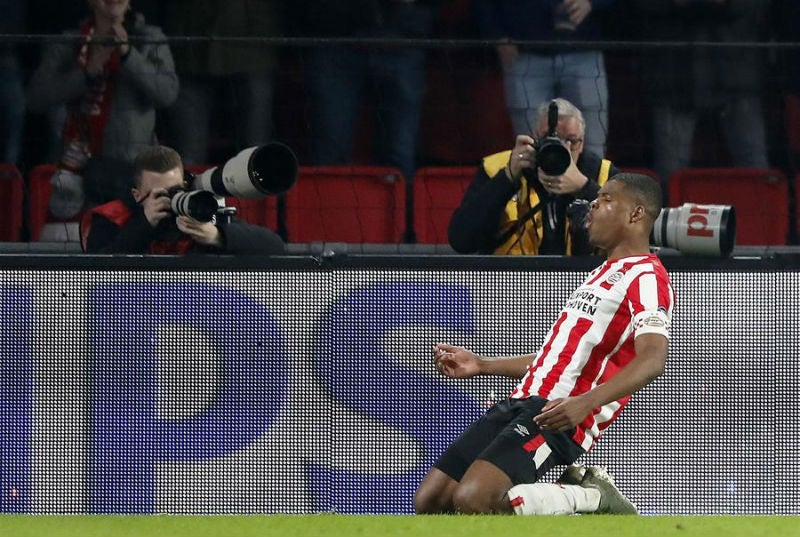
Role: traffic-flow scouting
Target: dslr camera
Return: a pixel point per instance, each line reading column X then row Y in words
column 552, row 156
column 256, row 172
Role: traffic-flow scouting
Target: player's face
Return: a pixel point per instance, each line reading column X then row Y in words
column 150, row 181
column 610, row 215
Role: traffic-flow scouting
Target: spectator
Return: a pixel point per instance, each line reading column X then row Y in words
column 533, row 75
column 237, row 78
column 12, row 94
column 111, row 91
column 144, row 223
column 509, row 210
column 391, row 77
column 684, row 83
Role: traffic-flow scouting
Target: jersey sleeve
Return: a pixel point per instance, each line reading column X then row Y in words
column 651, row 300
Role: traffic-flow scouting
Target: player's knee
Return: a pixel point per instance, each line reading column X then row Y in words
column 471, row 499
column 427, row 501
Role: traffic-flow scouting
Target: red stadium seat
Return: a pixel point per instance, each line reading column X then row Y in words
column 797, row 202
column 356, row 204
column 760, row 197
column 39, row 197
column 261, row 212
column 11, row 208
column 437, row 193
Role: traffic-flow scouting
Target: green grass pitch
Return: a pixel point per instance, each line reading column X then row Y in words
column 332, row 525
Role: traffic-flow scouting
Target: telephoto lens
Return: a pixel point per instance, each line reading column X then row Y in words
column 692, row 228
column 255, row 172
column 552, row 157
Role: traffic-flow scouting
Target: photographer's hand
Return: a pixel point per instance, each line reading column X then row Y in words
column 522, row 156
column 570, row 182
column 205, row 233
column 156, row 206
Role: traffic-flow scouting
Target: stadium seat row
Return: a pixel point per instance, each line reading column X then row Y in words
column 367, row 204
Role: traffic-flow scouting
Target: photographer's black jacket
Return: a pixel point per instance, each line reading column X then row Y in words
column 119, row 228
column 488, row 219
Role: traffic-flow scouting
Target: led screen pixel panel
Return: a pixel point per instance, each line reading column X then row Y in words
column 296, row 392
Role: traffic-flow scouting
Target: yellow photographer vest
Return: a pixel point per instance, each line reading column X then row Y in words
column 525, row 240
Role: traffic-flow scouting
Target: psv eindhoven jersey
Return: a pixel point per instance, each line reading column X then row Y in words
column 592, row 339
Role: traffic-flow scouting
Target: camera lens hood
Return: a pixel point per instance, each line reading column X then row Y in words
column 552, row 157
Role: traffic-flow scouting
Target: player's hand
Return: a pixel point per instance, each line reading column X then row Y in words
column 455, row 362
column 563, row 414
column 156, row 206
column 205, row 233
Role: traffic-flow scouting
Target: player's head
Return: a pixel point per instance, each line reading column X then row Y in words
column 624, row 211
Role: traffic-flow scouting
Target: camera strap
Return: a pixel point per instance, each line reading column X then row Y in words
column 519, row 226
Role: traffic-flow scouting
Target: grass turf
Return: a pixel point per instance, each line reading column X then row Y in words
column 331, row 525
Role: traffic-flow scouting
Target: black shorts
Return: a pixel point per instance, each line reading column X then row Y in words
column 508, row 437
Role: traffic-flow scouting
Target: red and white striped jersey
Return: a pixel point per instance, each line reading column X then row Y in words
column 592, row 339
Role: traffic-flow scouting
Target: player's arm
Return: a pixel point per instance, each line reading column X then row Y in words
column 514, row 367
column 458, row 362
column 650, row 303
column 646, row 366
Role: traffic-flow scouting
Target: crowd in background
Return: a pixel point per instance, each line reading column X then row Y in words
column 384, row 103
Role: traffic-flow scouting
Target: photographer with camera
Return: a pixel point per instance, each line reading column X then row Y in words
column 154, row 219
column 532, row 199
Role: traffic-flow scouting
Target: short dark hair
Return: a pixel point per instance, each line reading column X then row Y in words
column 156, row 158
column 645, row 189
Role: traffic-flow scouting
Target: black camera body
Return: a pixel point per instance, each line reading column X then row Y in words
column 551, row 154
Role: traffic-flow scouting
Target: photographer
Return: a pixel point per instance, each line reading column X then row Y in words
column 146, row 224
column 513, row 207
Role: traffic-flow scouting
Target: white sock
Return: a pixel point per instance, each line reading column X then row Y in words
column 553, row 499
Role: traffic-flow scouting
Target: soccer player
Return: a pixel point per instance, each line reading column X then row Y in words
column 609, row 341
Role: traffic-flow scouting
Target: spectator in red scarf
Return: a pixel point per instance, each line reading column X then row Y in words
column 111, row 87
